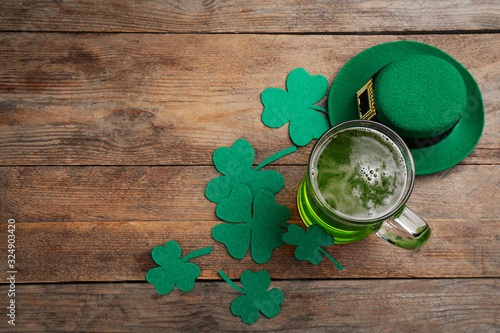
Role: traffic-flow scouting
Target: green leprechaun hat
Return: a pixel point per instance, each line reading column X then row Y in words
column 420, row 92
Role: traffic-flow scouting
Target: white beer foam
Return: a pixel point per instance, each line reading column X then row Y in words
column 377, row 163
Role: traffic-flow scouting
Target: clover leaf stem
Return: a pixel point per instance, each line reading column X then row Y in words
column 331, row 258
column 319, row 108
column 231, row 283
column 197, row 253
column 275, row 157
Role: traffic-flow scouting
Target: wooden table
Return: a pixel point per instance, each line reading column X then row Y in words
column 110, row 112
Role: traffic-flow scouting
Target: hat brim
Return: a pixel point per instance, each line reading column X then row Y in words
column 342, row 102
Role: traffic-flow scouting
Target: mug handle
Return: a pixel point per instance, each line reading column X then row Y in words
column 406, row 229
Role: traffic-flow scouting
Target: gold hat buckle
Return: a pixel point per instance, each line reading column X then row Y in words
column 366, row 101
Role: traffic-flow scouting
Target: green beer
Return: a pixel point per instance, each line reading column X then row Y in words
column 357, row 178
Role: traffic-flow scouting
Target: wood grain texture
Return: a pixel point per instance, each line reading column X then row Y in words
column 216, row 16
column 153, row 99
column 168, row 193
column 110, row 112
column 121, row 251
column 442, row 305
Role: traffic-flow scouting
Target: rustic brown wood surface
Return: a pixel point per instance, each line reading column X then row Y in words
column 110, row 112
column 318, row 306
column 121, row 251
column 238, row 16
column 172, row 99
column 176, row 193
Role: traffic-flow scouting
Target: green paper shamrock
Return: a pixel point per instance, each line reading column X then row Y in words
column 263, row 231
column 256, row 296
column 296, row 105
column 174, row 271
column 310, row 244
column 236, row 164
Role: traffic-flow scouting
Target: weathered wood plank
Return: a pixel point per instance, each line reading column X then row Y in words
column 166, row 193
column 442, row 305
column 121, row 251
column 152, row 99
column 287, row 16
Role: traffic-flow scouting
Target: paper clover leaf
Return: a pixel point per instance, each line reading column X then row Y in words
column 296, row 105
column 257, row 298
column 310, row 244
column 262, row 231
column 174, row 270
column 236, row 165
